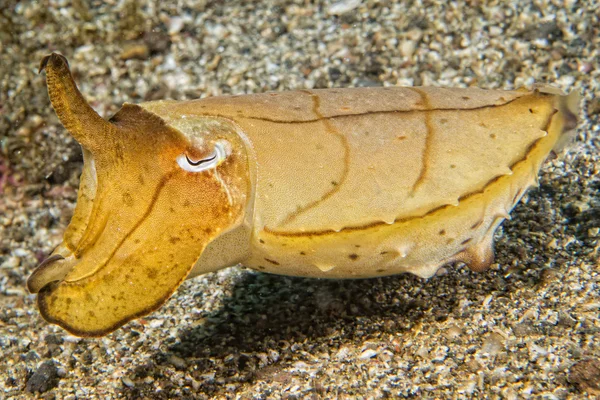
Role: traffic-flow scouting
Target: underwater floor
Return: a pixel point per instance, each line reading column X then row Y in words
column 528, row 327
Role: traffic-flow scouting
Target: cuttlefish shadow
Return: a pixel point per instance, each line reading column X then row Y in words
column 265, row 310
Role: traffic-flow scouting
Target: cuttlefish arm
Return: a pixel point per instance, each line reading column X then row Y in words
column 142, row 219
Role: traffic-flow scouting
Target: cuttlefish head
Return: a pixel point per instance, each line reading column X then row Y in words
column 149, row 202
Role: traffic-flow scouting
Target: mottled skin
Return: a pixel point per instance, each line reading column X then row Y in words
column 340, row 183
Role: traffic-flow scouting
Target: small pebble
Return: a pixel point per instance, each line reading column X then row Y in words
column 407, row 48
column 156, row 323
column 45, row 378
column 593, row 107
column 453, row 332
column 586, row 375
column 127, row 382
column 369, row 353
column 175, row 25
column 342, row 353
column 422, row 352
column 343, row 6
column 177, row 362
column 493, row 344
column 138, row 51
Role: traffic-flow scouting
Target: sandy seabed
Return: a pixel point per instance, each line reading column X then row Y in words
column 527, row 328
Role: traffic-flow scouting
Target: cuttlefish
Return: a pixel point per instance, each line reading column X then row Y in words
column 333, row 183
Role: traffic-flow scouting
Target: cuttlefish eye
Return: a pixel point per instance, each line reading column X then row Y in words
column 221, row 151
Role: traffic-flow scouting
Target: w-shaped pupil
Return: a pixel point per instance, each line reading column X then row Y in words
column 200, row 162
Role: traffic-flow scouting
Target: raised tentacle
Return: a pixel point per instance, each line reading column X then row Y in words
column 77, row 116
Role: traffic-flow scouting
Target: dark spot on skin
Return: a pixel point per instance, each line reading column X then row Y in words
column 171, row 209
column 452, row 166
column 383, row 253
column 334, row 183
column 466, row 98
column 272, row 261
column 186, row 203
column 261, row 241
column 127, row 199
column 302, row 253
column 442, row 232
column 208, row 231
column 380, row 270
column 531, row 110
column 449, row 241
column 476, row 224
column 400, row 137
column 353, row 257
column 141, row 179
column 152, row 273
column 108, row 278
column 443, row 121
column 493, row 135
column 261, row 267
column 68, row 300
column 483, row 125
column 357, row 246
column 92, row 314
column 136, row 241
column 466, row 241
column 174, row 239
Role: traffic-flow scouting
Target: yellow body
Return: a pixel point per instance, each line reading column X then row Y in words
column 339, row 183
column 366, row 182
